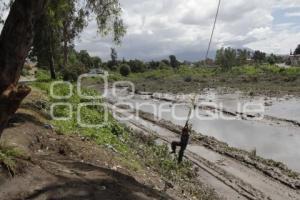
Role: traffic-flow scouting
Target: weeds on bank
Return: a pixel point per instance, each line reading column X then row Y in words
column 263, row 78
column 134, row 152
column 112, row 133
column 8, row 157
column 208, row 72
column 158, row 158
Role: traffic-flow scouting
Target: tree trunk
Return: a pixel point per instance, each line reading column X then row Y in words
column 15, row 43
column 65, row 48
column 65, row 54
column 51, row 59
column 51, row 66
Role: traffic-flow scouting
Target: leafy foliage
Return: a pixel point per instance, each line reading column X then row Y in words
column 114, row 56
column 226, row 58
column 71, row 72
column 65, row 20
column 173, row 62
column 124, row 70
column 297, row 50
column 272, row 59
column 242, row 56
column 259, row 57
column 137, row 66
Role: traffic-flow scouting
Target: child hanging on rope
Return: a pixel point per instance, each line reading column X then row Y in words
column 184, row 140
column 185, row 134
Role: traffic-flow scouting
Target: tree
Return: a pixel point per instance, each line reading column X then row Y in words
column 173, row 62
column 226, row 58
column 43, row 45
column 84, row 57
column 60, row 23
column 47, row 39
column 15, row 43
column 242, row 56
column 166, row 62
column 73, row 22
column 96, row 62
column 297, row 50
column 114, row 56
column 71, row 72
column 153, row 65
column 259, row 56
column 137, row 66
column 272, row 59
column 17, row 37
column 124, row 70
column 67, row 19
column 112, row 64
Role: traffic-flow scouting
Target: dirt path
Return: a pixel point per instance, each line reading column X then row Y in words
column 60, row 178
column 231, row 178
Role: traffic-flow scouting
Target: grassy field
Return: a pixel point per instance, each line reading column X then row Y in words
column 255, row 80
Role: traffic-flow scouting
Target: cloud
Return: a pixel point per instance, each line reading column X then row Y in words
column 158, row 28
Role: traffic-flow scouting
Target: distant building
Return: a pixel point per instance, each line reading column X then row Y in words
column 295, row 60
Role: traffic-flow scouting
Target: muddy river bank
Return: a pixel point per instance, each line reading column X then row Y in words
column 241, row 154
column 274, row 134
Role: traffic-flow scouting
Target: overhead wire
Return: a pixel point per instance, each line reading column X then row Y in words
column 213, row 30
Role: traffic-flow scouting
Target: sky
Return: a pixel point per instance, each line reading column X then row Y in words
column 159, row 28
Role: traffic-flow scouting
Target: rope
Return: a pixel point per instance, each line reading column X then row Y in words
column 213, row 30
column 191, row 109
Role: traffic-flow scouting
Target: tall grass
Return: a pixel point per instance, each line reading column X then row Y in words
column 8, row 157
column 111, row 133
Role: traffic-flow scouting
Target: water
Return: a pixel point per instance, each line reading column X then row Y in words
column 279, row 142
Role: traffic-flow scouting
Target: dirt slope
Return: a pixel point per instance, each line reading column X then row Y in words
column 69, row 167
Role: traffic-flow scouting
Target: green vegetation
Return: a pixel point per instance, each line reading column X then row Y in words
column 265, row 79
column 159, row 158
column 72, row 71
column 124, row 70
column 62, row 22
column 89, row 115
column 8, row 156
column 226, row 58
column 173, row 62
column 297, row 50
column 136, row 151
column 137, row 66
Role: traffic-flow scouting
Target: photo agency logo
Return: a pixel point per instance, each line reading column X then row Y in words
column 78, row 111
column 178, row 107
column 123, row 105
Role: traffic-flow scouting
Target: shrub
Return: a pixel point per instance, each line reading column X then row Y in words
column 188, row 79
column 112, row 66
column 282, row 70
column 226, row 58
column 42, row 75
column 71, row 72
column 137, row 66
column 124, row 70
